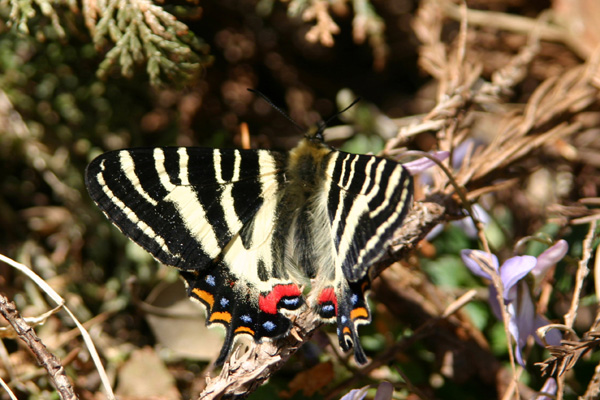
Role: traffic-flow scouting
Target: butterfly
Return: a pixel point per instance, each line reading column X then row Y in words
column 258, row 235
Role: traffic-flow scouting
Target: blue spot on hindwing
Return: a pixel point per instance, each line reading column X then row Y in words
column 328, row 308
column 210, row 280
column 224, row 302
column 246, row 318
column 344, row 319
column 354, row 299
column 269, row 326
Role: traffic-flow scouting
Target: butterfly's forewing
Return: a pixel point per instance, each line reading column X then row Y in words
column 210, row 213
column 183, row 205
column 366, row 198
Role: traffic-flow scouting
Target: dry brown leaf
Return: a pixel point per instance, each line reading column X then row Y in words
column 310, row 381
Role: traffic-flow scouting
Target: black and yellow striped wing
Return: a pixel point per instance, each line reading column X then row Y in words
column 368, row 198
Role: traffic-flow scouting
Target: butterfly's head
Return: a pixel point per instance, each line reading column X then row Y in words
column 315, row 133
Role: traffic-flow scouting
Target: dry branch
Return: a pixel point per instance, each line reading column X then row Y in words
column 49, row 361
column 565, row 356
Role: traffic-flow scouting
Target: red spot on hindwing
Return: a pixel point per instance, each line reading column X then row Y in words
column 327, row 295
column 268, row 303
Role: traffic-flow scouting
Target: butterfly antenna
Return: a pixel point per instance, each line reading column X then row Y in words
column 268, row 100
column 337, row 114
column 323, row 125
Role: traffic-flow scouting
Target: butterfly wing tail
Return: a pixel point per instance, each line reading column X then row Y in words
column 350, row 340
column 226, row 348
column 353, row 311
column 348, row 305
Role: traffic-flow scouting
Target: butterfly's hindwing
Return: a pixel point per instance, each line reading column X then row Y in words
column 234, row 305
column 353, row 311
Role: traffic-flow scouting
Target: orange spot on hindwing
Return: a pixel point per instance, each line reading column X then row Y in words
column 244, row 329
column 221, row 316
column 359, row 312
column 206, row 297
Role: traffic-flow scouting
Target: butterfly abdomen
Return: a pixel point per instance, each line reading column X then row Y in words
column 301, row 208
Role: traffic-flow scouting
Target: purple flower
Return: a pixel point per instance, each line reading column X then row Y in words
column 465, row 224
column 548, row 391
column 524, row 320
column 385, row 391
column 423, row 164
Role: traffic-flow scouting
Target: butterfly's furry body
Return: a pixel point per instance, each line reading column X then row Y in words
column 254, row 230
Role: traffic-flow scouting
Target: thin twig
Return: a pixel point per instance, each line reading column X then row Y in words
column 60, row 301
column 45, row 358
column 7, row 389
column 582, row 272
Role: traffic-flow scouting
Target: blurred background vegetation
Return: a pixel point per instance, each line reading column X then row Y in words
column 78, row 78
